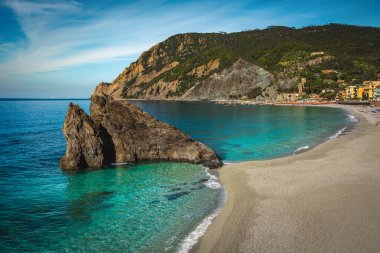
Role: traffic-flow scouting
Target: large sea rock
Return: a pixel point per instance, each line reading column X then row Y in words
column 119, row 132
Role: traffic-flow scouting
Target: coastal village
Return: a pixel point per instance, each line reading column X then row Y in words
column 365, row 92
column 368, row 90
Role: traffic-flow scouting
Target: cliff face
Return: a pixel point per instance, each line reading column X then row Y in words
column 119, row 132
column 236, row 81
column 218, row 65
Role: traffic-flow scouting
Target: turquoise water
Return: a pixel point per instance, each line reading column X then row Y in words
column 246, row 132
column 140, row 208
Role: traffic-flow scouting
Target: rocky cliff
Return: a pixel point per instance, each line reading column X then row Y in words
column 241, row 80
column 119, row 132
column 255, row 62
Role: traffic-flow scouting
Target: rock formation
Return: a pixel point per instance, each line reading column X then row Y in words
column 119, row 132
column 84, row 144
column 234, row 82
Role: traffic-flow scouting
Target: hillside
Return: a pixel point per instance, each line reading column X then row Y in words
column 254, row 64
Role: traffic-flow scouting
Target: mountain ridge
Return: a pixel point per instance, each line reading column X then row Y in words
column 173, row 68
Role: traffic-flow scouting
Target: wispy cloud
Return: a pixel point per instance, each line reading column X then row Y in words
column 68, row 36
column 63, row 34
column 58, row 35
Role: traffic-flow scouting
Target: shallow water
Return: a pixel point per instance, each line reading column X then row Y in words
column 140, row 208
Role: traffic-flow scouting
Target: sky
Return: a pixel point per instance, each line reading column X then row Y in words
column 63, row 49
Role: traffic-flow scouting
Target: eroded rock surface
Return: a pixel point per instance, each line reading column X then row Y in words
column 84, row 145
column 234, row 82
column 119, row 132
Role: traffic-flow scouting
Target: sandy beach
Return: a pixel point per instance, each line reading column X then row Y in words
column 323, row 200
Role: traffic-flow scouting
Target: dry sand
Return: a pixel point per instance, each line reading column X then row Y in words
column 323, row 200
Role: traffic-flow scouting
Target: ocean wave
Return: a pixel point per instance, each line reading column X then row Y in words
column 212, row 181
column 352, row 118
column 337, row 134
column 301, row 148
column 200, row 230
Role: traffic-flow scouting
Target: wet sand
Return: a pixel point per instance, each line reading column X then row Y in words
column 323, row 200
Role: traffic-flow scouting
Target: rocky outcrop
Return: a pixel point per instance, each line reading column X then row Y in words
column 119, row 132
column 85, row 147
column 236, row 81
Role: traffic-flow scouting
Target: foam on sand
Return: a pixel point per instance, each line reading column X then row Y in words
column 352, row 118
column 303, row 148
column 200, row 230
column 212, row 181
column 337, row 134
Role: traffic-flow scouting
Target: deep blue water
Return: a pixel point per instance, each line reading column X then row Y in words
column 140, row 208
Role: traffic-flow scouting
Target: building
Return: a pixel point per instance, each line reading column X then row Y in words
column 376, row 96
column 350, row 92
column 317, row 53
column 329, row 71
column 359, row 92
column 369, row 89
column 354, row 92
column 341, row 94
column 287, row 97
column 328, row 90
column 340, row 81
column 301, row 86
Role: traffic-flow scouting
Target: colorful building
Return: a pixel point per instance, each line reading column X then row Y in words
column 367, row 91
column 287, row 97
column 354, row 92
column 377, row 93
column 317, row 53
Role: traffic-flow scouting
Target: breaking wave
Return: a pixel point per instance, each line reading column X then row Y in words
column 337, row 134
column 352, row 118
column 212, row 181
column 301, row 148
column 200, row 230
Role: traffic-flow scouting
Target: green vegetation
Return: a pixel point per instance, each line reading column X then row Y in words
column 328, row 95
column 254, row 93
column 354, row 51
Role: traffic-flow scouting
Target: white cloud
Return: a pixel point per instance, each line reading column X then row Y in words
column 54, row 43
column 62, row 35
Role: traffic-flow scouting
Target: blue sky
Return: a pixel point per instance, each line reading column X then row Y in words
column 64, row 48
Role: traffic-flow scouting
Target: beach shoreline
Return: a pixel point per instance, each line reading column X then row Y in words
column 324, row 199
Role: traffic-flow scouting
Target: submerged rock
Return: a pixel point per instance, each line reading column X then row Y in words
column 119, row 132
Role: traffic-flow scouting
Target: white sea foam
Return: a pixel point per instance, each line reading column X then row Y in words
column 200, row 230
column 337, row 134
column 301, row 148
column 212, row 181
column 352, row 118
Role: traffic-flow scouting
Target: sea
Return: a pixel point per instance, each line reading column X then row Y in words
column 148, row 207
